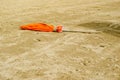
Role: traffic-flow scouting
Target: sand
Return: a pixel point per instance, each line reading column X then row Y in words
column 31, row 55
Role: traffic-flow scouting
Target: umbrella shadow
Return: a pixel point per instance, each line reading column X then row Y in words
column 106, row 27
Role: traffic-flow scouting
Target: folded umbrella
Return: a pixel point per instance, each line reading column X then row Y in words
column 49, row 28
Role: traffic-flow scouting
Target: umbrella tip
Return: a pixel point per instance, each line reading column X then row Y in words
column 59, row 29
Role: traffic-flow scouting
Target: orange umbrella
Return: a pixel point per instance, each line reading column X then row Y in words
column 49, row 28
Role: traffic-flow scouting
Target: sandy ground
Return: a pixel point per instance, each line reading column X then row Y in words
column 31, row 55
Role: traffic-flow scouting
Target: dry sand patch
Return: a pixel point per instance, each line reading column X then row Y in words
column 30, row 55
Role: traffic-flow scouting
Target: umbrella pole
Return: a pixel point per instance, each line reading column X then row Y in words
column 88, row 32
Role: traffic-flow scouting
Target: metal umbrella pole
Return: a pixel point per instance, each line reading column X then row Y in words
column 80, row 31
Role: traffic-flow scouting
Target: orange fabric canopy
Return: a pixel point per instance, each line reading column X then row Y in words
column 38, row 27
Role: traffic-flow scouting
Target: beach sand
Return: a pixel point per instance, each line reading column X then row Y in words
column 32, row 55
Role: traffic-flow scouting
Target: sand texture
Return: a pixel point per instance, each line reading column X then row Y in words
column 31, row 55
